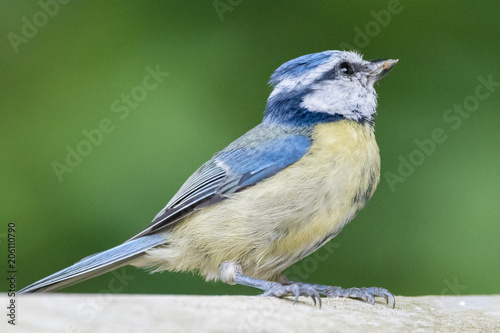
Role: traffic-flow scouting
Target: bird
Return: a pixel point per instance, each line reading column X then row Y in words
column 274, row 195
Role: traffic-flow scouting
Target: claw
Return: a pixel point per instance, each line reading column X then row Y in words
column 391, row 296
column 296, row 298
column 319, row 301
column 313, row 293
column 381, row 292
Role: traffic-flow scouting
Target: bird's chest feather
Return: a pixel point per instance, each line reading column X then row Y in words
column 344, row 161
column 327, row 187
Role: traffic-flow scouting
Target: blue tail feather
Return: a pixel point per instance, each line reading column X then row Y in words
column 95, row 264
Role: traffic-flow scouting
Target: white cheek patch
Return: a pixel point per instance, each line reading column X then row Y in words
column 344, row 97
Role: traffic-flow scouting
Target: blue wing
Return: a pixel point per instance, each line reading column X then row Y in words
column 244, row 163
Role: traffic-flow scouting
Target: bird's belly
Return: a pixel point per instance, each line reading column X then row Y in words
column 275, row 223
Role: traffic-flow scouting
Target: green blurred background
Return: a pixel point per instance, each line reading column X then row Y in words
column 435, row 233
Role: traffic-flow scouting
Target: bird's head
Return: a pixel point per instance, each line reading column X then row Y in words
column 324, row 87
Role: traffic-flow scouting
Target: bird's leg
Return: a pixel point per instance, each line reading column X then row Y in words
column 231, row 273
column 366, row 294
column 277, row 289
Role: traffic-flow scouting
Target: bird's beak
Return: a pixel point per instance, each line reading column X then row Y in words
column 377, row 69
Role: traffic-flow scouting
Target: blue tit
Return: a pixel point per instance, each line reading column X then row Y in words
column 274, row 195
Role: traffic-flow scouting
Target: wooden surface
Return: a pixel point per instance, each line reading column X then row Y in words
column 169, row 313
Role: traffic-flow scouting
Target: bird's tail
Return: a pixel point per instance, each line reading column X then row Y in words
column 95, row 264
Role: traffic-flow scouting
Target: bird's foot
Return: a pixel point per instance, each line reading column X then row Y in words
column 366, row 294
column 293, row 289
column 297, row 289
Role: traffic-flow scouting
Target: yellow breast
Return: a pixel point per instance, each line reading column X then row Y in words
column 332, row 183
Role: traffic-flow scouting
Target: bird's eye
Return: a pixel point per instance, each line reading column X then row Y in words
column 346, row 68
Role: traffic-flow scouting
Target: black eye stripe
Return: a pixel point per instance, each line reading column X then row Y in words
column 333, row 73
